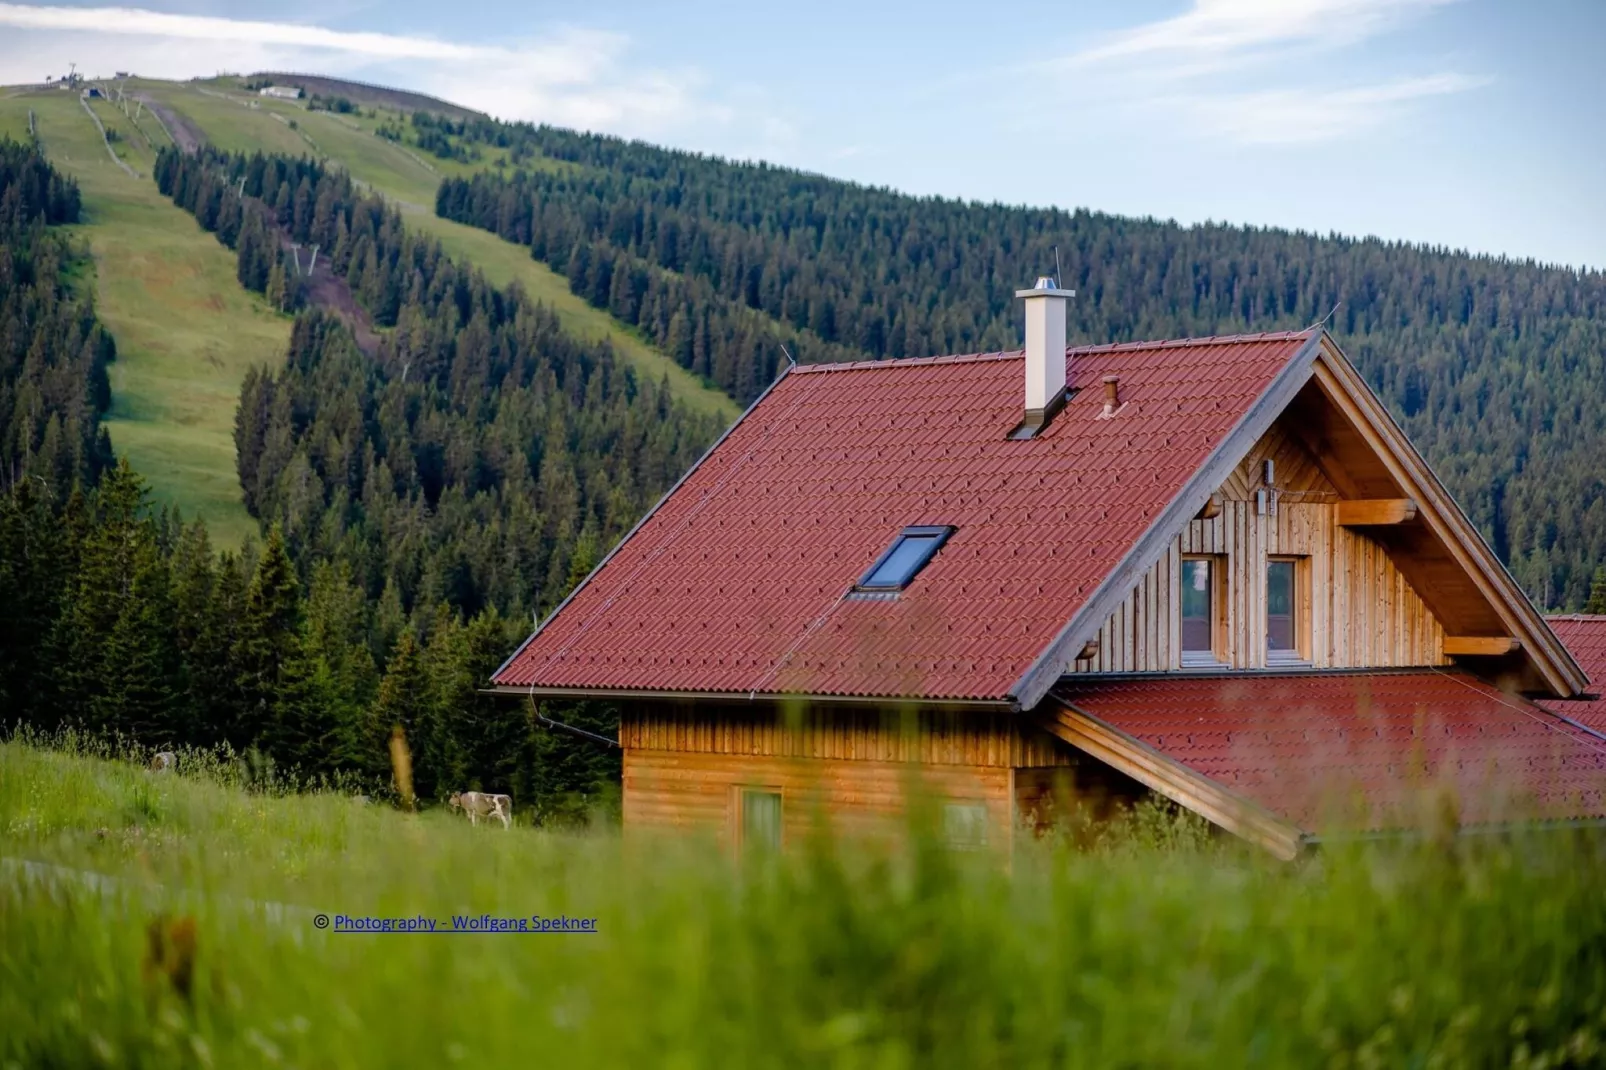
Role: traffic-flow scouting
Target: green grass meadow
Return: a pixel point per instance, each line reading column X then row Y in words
column 186, row 331
column 1155, row 948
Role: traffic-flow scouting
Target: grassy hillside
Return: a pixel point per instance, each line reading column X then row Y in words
column 238, row 122
column 185, row 330
column 1146, row 952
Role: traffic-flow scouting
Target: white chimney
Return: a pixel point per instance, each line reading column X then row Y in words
column 1045, row 351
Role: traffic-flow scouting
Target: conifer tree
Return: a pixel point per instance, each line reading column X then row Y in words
column 492, row 734
column 140, row 689
column 269, row 630
column 1597, row 593
column 119, row 666
column 329, row 681
column 403, row 702
column 37, row 563
column 278, row 291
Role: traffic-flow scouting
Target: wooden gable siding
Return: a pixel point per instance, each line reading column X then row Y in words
column 1361, row 611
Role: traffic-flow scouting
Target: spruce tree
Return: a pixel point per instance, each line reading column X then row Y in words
column 492, row 734
column 403, row 701
column 37, row 565
column 140, row 690
column 278, row 290
column 329, row 681
column 1597, row 593
column 269, row 633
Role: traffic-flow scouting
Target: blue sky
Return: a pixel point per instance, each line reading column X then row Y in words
column 1470, row 123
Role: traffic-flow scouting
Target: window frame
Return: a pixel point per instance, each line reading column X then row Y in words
column 974, row 808
column 939, row 534
column 1193, row 659
column 742, row 793
column 1299, row 604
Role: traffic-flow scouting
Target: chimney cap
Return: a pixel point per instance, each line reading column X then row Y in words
column 1046, row 286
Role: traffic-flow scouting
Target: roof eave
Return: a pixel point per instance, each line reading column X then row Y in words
column 1539, row 642
column 1166, row 776
column 746, row 698
column 709, row 452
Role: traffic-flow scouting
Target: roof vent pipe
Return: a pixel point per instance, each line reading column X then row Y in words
column 1112, row 395
column 1045, row 353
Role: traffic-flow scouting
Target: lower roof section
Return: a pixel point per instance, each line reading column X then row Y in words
column 1585, row 638
column 1279, row 758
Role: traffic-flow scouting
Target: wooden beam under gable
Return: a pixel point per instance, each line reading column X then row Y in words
column 1344, row 388
column 1171, row 778
column 1491, row 646
column 1370, row 512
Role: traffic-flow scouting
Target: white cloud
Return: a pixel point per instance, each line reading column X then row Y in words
column 139, row 22
column 1218, row 65
column 571, row 77
column 1224, row 29
column 1303, row 116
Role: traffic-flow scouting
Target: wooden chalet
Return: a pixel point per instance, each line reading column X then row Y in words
column 1210, row 568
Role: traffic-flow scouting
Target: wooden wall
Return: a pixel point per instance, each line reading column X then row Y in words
column 1360, row 610
column 995, row 740
column 685, row 764
column 699, row 792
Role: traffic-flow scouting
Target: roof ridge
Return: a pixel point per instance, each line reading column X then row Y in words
column 1189, row 343
column 1576, row 616
column 904, row 362
column 1013, row 354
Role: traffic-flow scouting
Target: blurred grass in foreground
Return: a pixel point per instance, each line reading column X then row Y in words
column 1157, row 948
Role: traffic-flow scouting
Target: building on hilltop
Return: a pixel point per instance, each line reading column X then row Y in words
column 1214, row 569
column 283, row 92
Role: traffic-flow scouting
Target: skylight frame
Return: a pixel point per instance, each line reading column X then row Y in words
column 938, row 534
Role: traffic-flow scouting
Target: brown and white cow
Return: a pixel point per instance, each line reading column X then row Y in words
column 163, row 762
column 479, row 803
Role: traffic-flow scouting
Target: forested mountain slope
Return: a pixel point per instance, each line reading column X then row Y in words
column 1496, row 368
column 476, row 461
column 53, row 354
column 480, row 457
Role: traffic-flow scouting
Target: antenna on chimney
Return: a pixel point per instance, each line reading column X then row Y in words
column 1059, row 279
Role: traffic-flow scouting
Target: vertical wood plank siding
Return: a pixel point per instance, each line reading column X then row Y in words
column 993, row 740
column 1359, row 610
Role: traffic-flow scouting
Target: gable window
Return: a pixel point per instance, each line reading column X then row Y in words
column 910, row 552
column 1285, row 622
column 761, row 819
column 1202, row 613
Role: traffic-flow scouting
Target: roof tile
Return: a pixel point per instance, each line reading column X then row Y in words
column 737, row 582
column 1585, row 639
column 1354, row 748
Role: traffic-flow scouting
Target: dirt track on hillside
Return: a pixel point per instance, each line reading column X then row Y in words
column 322, row 288
column 185, row 134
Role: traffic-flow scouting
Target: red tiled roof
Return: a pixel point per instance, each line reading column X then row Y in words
column 1585, row 639
column 739, row 582
column 1351, row 748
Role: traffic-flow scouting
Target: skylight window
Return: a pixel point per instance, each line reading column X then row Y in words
column 909, row 553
